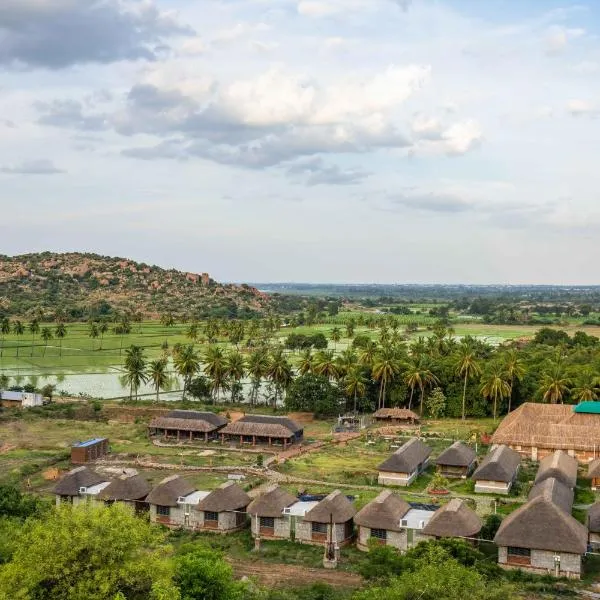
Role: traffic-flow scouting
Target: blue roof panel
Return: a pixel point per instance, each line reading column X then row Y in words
column 88, row 443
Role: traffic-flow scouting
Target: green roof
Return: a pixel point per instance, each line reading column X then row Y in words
column 588, row 407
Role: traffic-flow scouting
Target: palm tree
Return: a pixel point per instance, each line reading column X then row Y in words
column 215, row 368
column 192, row 332
column 34, row 329
column 307, row 362
column 554, row 385
column 428, row 379
column 587, row 388
column 350, row 329
column 60, row 333
column 515, row 371
column 336, row 336
column 5, row 329
column 367, row 354
column 257, row 365
column 187, row 364
column 18, row 330
column 122, row 328
column 346, row 360
column 235, row 369
column 46, row 336
column 355, row 384
column 93, row 331
column 412, row 378
column 466, row 367
column 494, row 385
column 102, row 329
column 325, row 364
column 386, row 367
column 135, row 369
column 279, row 372
column 157, row 374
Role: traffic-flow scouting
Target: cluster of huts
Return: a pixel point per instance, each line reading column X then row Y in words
column 190, row 425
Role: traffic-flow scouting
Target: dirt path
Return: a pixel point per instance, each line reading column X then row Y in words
column 281, row 575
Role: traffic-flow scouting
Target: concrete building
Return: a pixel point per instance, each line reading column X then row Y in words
column 9, row 399
column 454, row 519
column 223, row 510
column 457, row 461
column 187, row 425
column 329, row 520
column 498, row 471
column 405, row 465
column 80, row 485
column 89, row 451
column 267, row 513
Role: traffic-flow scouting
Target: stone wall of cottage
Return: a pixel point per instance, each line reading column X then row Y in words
column 304, row 533
column 594, row 539
column 396, row 539
column 542, row 562
column 176, row 516
column 492, row 487
column 281, row 530
column 401, row 479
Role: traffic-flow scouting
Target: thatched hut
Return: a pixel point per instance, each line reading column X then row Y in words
column 558, row 465
column 541, row 537
column 555, row 491
column 498, row 471
column 536, row 430
column 454, row 519
column 170, row 501
column 187, row 425
column 395, row 416
column 594, row 473
column 380, row 520
column 593, row 524
column 405, row 464
column 223, row 510
column 330, row 519
column 263, row 429
column 267, row 513
column 79, row 485
column 457, row 461
column 130, row 488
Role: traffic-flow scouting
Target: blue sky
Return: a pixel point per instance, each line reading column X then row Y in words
column 307, row 140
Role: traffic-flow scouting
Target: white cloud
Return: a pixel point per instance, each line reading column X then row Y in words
column 557, row 38
column 583, row 108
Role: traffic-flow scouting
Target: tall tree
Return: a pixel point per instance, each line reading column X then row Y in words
column 307, row 362
column 192, row 332
column 235, row 369
column 368, row 353
column 18, row 330
column 135, row 369
column 467, row 367
column 335, row 335
column 386, row 367
column 215, row 367
column 554, row 385
column 279, row 372
column 587, row 387
column 350, row 329
column 494, row 385
column 46, row 336
column 187, row 364
column 355, row 384
column 5, row 330
column 257, row 365
column 60, row 333
column 34, row 329
column 157, row 374
column 325, row 364
column 93, row 331
column 515, row 371
column 102, row 329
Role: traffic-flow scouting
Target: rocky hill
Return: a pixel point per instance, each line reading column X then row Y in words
column 83, row 285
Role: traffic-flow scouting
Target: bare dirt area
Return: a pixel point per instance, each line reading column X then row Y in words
column 280, row 575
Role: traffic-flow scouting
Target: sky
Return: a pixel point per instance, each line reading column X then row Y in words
column 396, row 141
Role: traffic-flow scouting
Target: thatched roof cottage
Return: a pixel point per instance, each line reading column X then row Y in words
column 79, row 485
column 536, row 430
column 541, row 537
column 263, row 429
column 395, row 416
column 593, row 524
column 187, row 425
column 129, row 487
column 498, row 471
column 555, row 491
column 336, row 510
column 454, row 519
column 405, row 464
column 559, row 465
column 456, row 461
column 594, row 473
column 223, row 510
column 267, row 513
column 171, row 501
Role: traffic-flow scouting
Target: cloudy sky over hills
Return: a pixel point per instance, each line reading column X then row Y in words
column 307, row 140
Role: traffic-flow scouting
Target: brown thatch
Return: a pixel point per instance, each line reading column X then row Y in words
column 126, row 487
column 399, row 414
column 335, row 506
column 263, row 426
column 553, row 426
column 554, row 490
column 407, row 458
column 384, row 512
column 189, row 420
column 226, row 497
column 77, row 478
column 457, row 455
column 454, row 519
column 593, row 518
column 542, row 525
column 271, row 503
column 560, row 466
column 501, row 464
column 594, row 469
column 169, row 490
